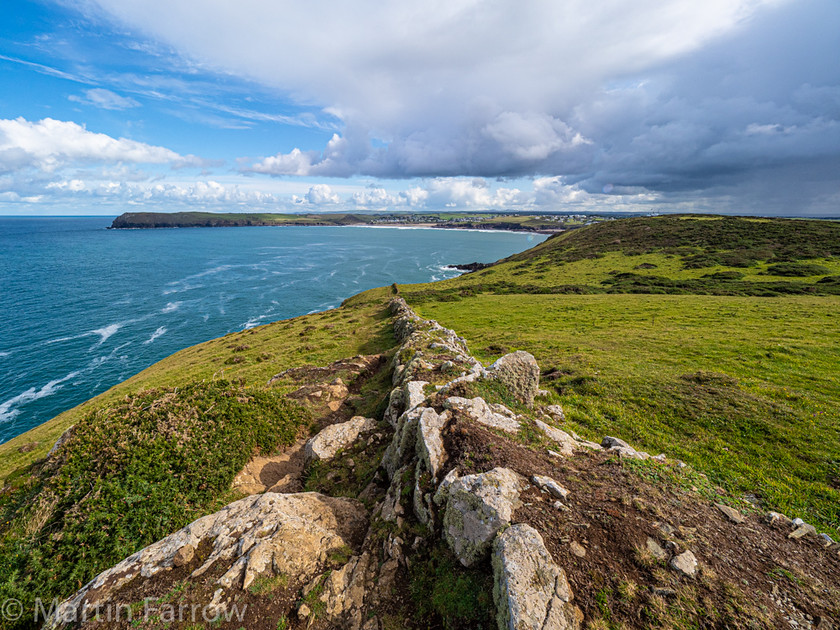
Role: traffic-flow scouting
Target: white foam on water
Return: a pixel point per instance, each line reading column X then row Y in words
column 106, row 332
column 71, row 338
column 4, row 354
column 10, row 408
column 171, row 307
column 158, row 333
column 185, row 284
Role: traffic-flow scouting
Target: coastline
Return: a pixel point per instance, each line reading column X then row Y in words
column 487, row 222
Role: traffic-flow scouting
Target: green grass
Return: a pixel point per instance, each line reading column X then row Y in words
column 442, row 589
column 745, row 389
column 130, row 474
column 673, row 255
column 262, row 352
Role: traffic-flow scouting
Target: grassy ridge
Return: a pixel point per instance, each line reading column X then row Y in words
column 670, row 255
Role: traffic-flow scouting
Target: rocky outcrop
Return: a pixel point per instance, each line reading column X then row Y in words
column 340, row 581
column 565, row 442
column 336, row 437
column 477, row 507
column 519, row 372
column 290, row 534
column 531, row 592
column 492, row 416
column 429, row 441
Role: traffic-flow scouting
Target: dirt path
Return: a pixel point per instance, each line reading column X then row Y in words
column 278, row 473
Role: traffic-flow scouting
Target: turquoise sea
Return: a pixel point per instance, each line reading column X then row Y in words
column 83, row 307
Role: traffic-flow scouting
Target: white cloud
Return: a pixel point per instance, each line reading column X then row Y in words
column 53, row 144
column 104, row 99
column 321, row 194
column 376, row 197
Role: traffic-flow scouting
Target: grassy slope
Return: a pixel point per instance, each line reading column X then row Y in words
column 719, row 256
column 765, row 418
column 311, row 339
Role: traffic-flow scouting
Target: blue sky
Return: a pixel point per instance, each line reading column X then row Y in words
column 667, row 105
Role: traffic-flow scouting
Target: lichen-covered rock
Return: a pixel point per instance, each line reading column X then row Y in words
column 478, row 506
column 495, row 416
column 336, row 437
column 565, row 442
column 396, row 406
column 519, row 372
column 531, row 592
column 610, row 442
column 685, row 564
column 403, row 442
column 414, row 394
column 548, row 484
column 556, row 413
column 290, row 534
column 429, row 441
column 344, row 592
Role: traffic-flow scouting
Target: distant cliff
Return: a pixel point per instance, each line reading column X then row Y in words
column 546, row 224
column 212, row 219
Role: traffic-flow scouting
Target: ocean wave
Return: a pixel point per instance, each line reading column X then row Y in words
column 158, row 333
column 4, row 354
column 185, row 284
column 171, row 307
column 106, row 332
column 10, row 408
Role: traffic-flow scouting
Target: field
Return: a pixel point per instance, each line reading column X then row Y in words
column 744, row 389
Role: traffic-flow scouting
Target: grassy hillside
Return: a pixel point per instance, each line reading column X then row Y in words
column 714, row 339
column 669, row 254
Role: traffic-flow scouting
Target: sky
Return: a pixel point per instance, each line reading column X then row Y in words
column 729, row 106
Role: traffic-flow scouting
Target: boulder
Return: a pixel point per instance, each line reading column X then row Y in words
column 336, row 437
column 478, row 506
column 493, row 416
column 803, row 530
column 414, row 394
column 547, row 484
column 292, row 534
column 519, row 372
column 565, row 442
column 531, row 592
column 344, row 591
column 731, row 513
column 429, row 440
column 685, row 564
column 555, row 412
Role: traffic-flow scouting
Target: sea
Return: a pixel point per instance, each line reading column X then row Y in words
column 83, row 307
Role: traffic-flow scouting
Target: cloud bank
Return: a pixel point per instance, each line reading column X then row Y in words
column 48, row 145
column 734, row 102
